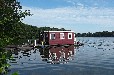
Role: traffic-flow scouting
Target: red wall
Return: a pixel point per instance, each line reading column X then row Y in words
column 61, row 41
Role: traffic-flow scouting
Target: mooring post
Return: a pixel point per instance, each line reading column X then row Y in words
column 28, row 41
column 34, row 42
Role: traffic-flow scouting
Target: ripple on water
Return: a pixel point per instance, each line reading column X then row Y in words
column 96, row 57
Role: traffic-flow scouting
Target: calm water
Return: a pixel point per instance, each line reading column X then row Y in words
column 96, row 57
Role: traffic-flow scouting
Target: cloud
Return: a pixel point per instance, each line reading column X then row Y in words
column 67, row 17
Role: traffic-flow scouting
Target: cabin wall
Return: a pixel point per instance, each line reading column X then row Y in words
column 59, row 41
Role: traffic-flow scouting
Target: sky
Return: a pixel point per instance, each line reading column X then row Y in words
column 80, row 16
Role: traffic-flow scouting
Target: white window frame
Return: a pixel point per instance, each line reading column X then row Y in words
column 63, row 36
column 69, row 34
column 50, row 36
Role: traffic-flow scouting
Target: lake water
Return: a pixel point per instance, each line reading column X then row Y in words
column 96, row 57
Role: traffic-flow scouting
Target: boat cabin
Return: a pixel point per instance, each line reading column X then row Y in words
column 58, row 37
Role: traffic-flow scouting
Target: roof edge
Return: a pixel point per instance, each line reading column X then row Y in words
column 58, row 31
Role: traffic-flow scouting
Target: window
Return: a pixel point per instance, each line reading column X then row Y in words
column 69, row 35
column 62, row 36
column 52, row 36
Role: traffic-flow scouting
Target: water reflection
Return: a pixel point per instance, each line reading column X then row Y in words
column 57, row 55
column 53, row 55
column 21, row 55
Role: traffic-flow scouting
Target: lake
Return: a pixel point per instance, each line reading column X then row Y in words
column 96, row 57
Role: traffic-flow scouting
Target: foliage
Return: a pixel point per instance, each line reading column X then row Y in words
column 96, row 34
column 25, row 31
column 4, row 56
column 16, row 73
column 11, row 15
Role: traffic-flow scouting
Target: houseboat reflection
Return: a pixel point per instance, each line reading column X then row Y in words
column 57, row 55
column 52, row 54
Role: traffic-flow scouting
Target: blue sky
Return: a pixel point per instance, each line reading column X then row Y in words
column 76, row 15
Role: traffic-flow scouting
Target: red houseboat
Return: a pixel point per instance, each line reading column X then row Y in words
column 57, row 37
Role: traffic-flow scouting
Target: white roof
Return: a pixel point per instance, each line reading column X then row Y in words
column 58, row 31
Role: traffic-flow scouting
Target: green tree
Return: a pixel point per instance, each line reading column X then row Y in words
column 11, row 15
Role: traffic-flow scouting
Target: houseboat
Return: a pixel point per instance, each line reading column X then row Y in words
column 57, row 38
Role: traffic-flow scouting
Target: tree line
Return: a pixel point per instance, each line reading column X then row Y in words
column 96, row 34
column 25, row 31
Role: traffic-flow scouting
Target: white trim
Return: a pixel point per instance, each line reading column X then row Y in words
column 74, row 38
column 50, row 36
column 58, row 31
column 69, row 34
